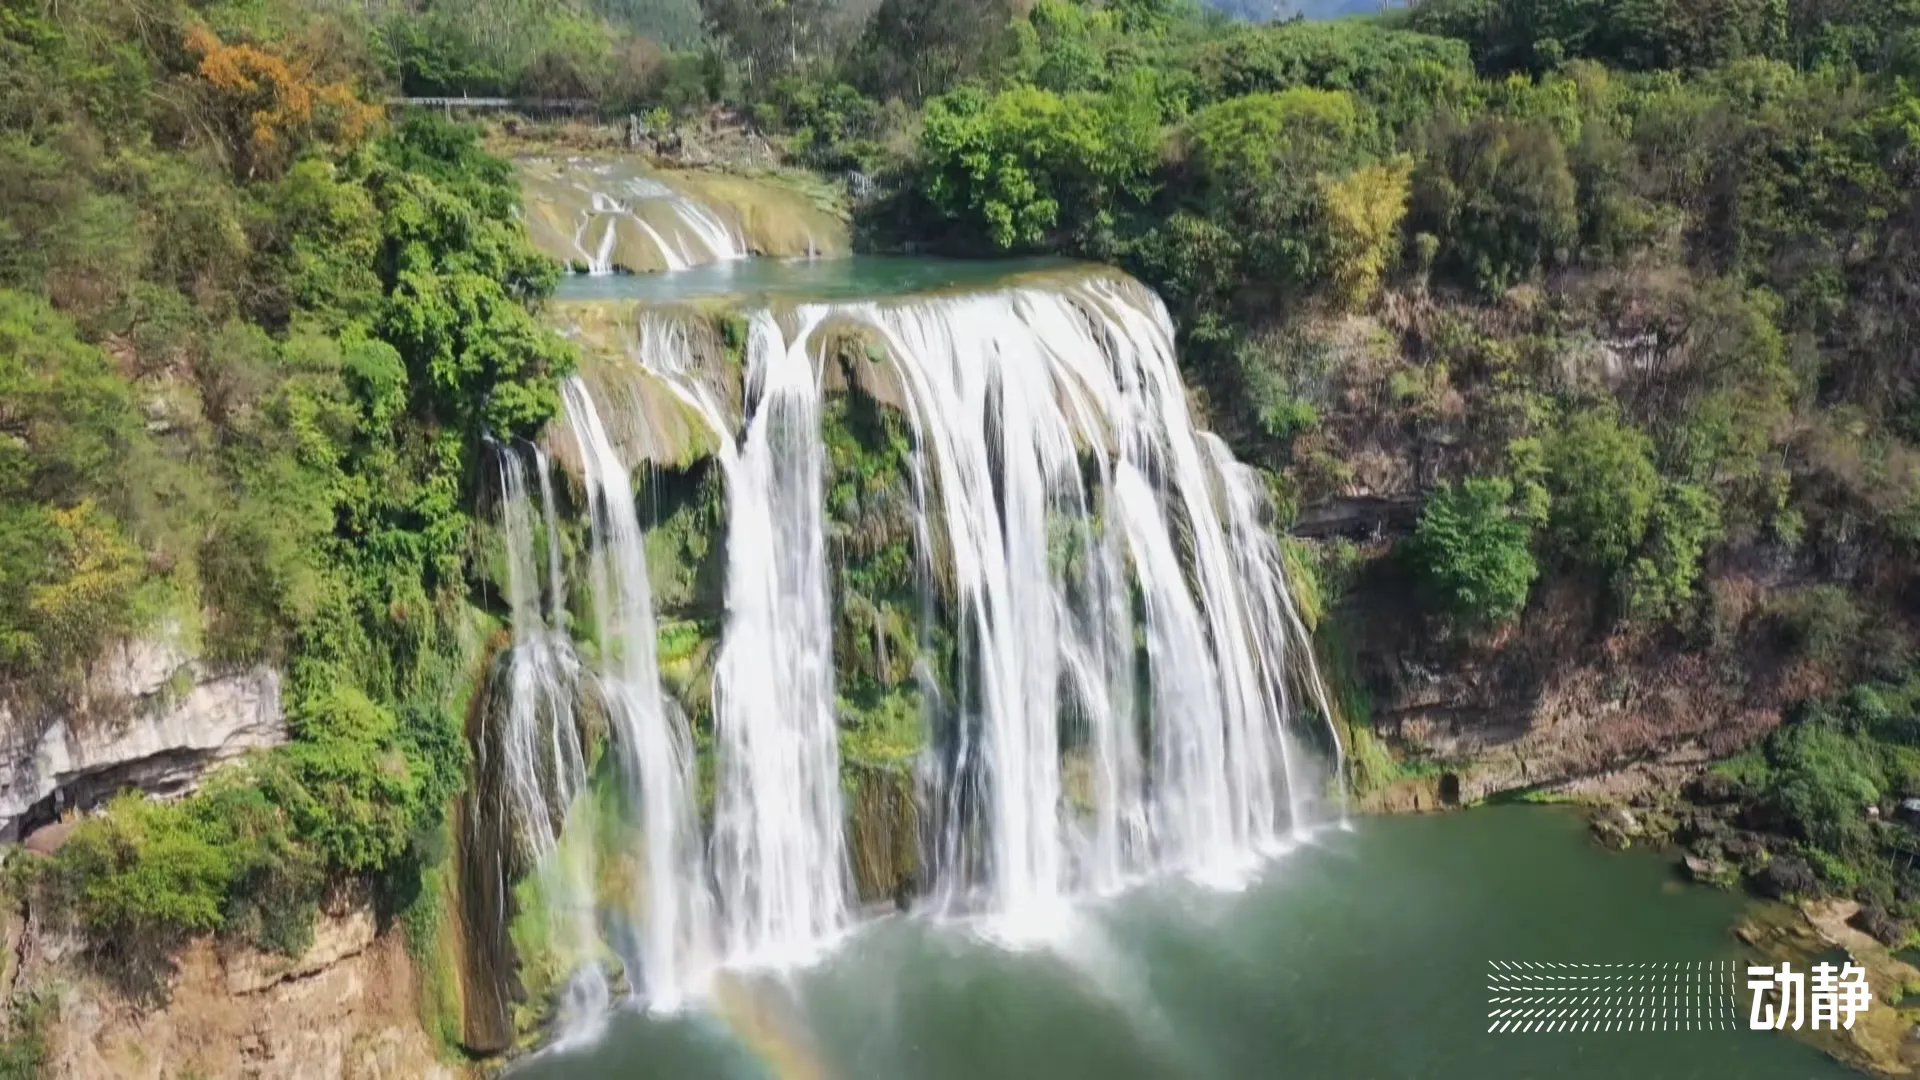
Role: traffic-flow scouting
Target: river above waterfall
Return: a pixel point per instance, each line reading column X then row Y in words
column 858, row 277
column 1364, row 955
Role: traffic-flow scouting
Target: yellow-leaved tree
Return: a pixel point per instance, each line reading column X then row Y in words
column 1361, row 214
column 267, row 106
column 88, row 594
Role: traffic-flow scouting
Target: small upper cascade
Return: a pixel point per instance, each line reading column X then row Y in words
column 682, row 231
column 603, row 216
column 650, row 738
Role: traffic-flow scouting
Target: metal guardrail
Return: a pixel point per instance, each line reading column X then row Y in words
column 531, row 104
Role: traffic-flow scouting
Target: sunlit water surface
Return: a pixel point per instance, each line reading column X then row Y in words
column 1362, row 956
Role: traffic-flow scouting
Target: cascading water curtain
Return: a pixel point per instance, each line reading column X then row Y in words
column 543, row 764
column 779, row 834
column 654, row 749
column 779, row 828
column 1123, row 702
column 1050, row 418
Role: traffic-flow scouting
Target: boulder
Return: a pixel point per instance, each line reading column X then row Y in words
column 1615, row 827
column 1873, row 919
column 1787, row 876
column 1711, row 871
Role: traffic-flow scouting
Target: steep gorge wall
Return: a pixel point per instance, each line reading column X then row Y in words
column 1558, row 703
column 1573, row 698
column 346, row 1009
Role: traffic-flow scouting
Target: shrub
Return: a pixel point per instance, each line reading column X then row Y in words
column 1601, row 479
column 1362, row 213
column 1684, row 522
column 1819, row 623
column 1473, row 548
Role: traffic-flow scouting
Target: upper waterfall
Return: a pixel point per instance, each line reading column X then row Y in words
column 601, row 215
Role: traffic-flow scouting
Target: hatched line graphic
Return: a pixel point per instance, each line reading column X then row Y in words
column 1540, row 997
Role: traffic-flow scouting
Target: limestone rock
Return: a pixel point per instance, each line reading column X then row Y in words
column 151, row 716
column 355, row 1018
column 1616, row 827
column 1873, row 919
column 1711, row 871
column 250, row 971
column 1787, row 876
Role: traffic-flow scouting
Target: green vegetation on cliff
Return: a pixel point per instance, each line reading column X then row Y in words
column 251, row 341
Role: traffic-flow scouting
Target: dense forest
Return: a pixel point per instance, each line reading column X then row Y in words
column 1639, row 279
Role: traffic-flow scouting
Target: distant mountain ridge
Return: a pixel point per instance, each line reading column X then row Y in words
column 1270, row 10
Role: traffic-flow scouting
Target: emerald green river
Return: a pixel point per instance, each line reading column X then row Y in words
column 1362, row 957
column 860, row 277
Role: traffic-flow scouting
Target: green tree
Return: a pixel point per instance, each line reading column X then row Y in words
column 771, row 36
column 1008, row 164
column 1361, row 213
column 1258, row 162
column 69, row 576
column 1602, row 483
column 1684, row 522
column 1538, row 35
column 1473, row 546
column 1500, row 197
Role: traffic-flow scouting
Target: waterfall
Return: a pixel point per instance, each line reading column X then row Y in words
column 968, row 375
column 544, row 765
column 1120, row 684
column 1281, row 635
column 779, row 830
column 1017, row 400
column 682, row 230
column 654, row 748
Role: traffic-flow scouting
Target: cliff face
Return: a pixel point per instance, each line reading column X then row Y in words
column 1574, row 697
column 1565, row 701
column 345, row 1009
column 152, row 716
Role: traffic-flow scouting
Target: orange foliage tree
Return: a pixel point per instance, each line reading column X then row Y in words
column 267, row 106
